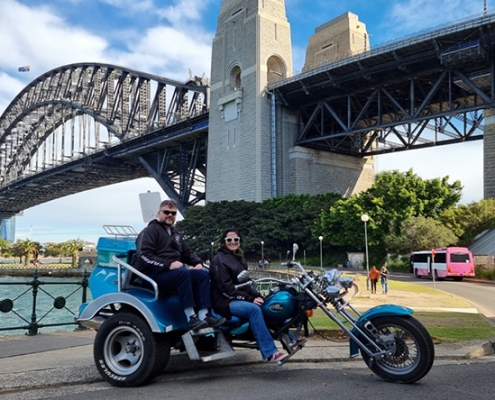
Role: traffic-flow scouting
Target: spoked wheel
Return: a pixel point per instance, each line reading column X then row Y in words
column 411, row 346
column 126, row 351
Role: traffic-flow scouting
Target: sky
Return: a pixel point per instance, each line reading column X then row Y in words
column 170, row 38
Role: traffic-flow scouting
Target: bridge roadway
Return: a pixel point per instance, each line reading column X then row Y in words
column 423, row 91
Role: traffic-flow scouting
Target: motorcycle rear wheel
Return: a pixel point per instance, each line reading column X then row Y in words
column 414, row 350
column 127, row 353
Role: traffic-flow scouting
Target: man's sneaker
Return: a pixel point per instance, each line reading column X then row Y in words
column 214, row 322
column 196, row 324
column 278, row 356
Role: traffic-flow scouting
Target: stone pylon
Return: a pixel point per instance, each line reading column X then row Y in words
column 251, row 140
column 251, row 48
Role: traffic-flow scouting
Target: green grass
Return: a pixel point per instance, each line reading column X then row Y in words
column 444, row 327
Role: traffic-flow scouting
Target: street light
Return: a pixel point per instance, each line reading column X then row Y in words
column 320, row 238
column 365, row 218
column 262, row 254
column 212, row 244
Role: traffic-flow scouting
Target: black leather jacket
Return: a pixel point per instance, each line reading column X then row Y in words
column 156, row 249
column 224, row 269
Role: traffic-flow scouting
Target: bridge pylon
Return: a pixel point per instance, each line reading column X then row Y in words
column 251, row 151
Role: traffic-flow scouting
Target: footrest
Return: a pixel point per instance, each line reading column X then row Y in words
column 222, row 346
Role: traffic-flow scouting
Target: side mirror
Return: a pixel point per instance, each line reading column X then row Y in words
column 243, row 277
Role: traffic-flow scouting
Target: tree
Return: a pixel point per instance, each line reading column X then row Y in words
column 468, row 221
column 26, row 248
column 72, row 248
column 5, row 247
column 419, row 233
column 393, row 198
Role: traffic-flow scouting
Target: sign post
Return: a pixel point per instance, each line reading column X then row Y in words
column 433, row 266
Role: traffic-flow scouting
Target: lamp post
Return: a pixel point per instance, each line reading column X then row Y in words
column 365, row 218
column 262, row 254
column 212, row 244
column 320, row 238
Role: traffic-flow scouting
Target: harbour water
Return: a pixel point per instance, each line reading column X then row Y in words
column 51, row 291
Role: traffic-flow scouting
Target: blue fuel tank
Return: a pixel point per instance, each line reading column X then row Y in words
column 279, row 306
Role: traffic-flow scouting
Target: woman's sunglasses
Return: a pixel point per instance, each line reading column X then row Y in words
column 230, row 240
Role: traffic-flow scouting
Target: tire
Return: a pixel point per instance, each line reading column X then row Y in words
column 414, row 351
column 416, row 274
column 127, row 353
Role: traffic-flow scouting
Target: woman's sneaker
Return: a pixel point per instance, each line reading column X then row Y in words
column 277, row 357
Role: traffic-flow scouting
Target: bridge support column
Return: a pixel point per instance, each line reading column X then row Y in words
column 308, row 171
column 489, row 154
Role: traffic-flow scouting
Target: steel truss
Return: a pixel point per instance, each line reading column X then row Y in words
column 71, row 118
column 426, row 91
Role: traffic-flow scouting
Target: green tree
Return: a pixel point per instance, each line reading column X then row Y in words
column 419, row 233
column 468, row 221
column 72, row 248
column 27, row 249
column 5, row 247
column 393, row 198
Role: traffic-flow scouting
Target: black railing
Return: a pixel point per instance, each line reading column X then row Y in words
column 32, row 322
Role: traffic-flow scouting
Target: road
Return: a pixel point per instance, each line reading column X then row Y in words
column 448, row 379
column 481, row 295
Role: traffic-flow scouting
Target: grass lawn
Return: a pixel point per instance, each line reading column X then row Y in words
column 442, row 326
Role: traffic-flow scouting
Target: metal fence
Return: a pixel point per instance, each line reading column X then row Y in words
column 39, row 313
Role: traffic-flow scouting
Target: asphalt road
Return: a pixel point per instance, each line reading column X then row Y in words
column 481, row 295
column 449, row 380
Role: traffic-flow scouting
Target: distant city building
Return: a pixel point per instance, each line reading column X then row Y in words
column 7, row 229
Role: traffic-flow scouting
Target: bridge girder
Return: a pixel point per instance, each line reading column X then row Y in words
column 425, row 91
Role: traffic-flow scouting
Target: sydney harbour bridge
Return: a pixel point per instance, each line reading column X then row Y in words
column 89, row 125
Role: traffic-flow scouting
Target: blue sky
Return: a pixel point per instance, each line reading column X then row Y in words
column 169, row 38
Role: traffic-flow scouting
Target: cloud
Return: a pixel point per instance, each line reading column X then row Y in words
column 416, row 15
column 184, row 11
column 38, row 37
column 169, row 52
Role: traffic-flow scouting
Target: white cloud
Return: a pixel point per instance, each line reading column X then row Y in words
column 38, row 37
column 170, row 53
column 416, row 15
column 184, row 11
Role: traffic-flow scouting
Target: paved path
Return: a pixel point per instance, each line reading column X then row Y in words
column 51, row 359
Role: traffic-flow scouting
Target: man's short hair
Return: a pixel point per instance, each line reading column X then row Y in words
column 169, row 203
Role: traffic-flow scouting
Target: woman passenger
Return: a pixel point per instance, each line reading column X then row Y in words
column 244, row 302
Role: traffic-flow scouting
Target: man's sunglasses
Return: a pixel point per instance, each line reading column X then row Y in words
column 230, row 240
column 168, row 212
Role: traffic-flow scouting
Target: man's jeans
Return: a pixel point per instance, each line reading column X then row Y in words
column 191, row 285
column 253, row 313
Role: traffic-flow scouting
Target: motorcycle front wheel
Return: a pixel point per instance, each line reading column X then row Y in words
column 412, row 349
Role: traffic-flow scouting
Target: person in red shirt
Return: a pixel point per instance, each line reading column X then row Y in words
column 373, row 277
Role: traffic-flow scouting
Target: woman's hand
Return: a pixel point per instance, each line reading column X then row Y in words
column 259, row 301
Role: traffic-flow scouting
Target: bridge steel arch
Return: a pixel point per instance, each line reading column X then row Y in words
column 77, row 127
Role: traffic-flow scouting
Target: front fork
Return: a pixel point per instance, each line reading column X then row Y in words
column 363, row 334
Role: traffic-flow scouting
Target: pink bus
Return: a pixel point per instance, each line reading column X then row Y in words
column 447, row 262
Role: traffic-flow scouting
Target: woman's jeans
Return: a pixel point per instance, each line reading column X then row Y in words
column 384, row 283
column 253, row 313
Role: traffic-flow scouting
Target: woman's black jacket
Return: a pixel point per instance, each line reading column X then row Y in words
column 224, row 269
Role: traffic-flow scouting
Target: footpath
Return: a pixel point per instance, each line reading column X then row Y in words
column 66, row 357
